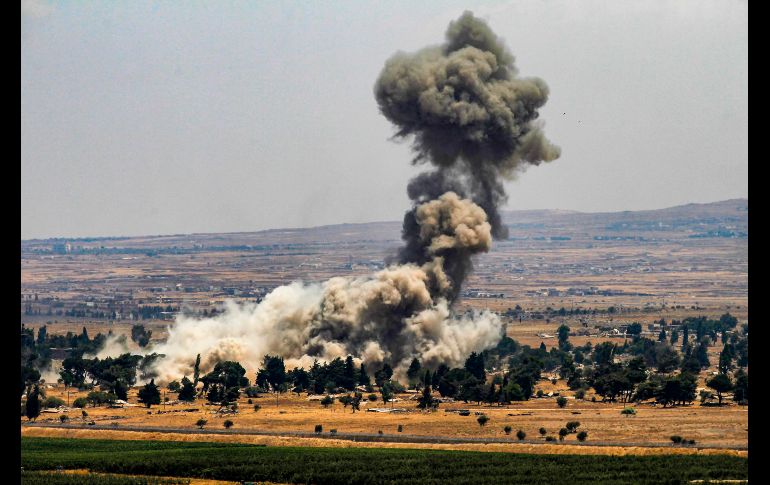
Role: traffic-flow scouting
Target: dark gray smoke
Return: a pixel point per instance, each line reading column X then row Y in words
column 470, row 116
column 473, row 120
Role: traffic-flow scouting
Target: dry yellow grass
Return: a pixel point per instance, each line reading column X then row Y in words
column 325, row 443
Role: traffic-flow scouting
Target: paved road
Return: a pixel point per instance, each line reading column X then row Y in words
column 385, row 438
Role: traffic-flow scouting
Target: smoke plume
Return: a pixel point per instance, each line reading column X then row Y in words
column 474, row 121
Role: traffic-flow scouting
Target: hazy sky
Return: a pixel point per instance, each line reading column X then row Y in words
column 146, row 117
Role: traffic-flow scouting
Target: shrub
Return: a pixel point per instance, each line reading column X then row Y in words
column 561, row 401
column 400, row 428
column 63, row 418
column 507, row 430
column 539, row 393
column 379, row 432
column 319, row 428
column 690, row 442
column 550, row 438
column 250, row 401
column 628, row 411
column 593, row 398
column 84, row 413
column 562, row 433
column 521, row 434
column 333, row 431
column 676, row 439
column 257, row 407
column 80, row 402
column 542, row 431
column 52, row 402
column 201, row 423
column 580, row 394
column 327, row 401
column 553, row 381
column 582, row 436
column 572, row 426
column 482, row 419
column 228, row 424
column 373, row 397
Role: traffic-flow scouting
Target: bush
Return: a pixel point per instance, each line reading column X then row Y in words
column 257, row 407
column 572, row 426
column 319, row 428
column 80, row 402
column 333, row 431
column 63, row 418
column 539, row 393
column 379, row 432
column 52, row 402
column 521, row 434
column 582, row 436
column 550, row 438
column 676, row 439
column 553, row 381
column 561, row 401
column 580, row 394
column 400, row 428
column 628, row 411
column 542, row 431
column 250, row 401
column 593, row 398
column 201, row 423
column 562, row 433
column 482, row 419
column 373, row 397
column 228, row 424
column 690, row 442
column 507, row 430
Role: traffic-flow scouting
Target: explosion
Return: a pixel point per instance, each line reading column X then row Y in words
column 474, row 121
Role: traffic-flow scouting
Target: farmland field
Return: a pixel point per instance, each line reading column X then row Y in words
column 336, row 465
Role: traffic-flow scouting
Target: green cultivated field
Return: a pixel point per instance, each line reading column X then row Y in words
column 226, row 461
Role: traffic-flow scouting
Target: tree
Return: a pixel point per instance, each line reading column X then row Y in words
column 413, row 372
column 426, row 380
column 196, row 370
column 187, row 391
column 149, row 394
column 542, row 431
column 563, row 334
column 363, row 377
column 32, row 410
column 561, row 401
column 662, row 335
column 520, row 434
column 274, row 371
column 741, row 391
column 475, row 365
column 383, row 375
column 482, row 420
column 674, row 337
column 201, row 423
column 582, row 436
column 140, row 335
column 386, row 392
column 327, row 401
column 174, row 386
column 426, row 401
column 635, row 329
column 228, row 424
column 721, row 383
column 507, row 429
column 572, row 426
column 355, row 403
column 562, row 433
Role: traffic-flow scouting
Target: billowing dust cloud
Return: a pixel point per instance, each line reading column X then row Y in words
column 474, row 121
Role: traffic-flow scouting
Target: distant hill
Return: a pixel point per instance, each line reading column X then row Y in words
column 727, row 218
